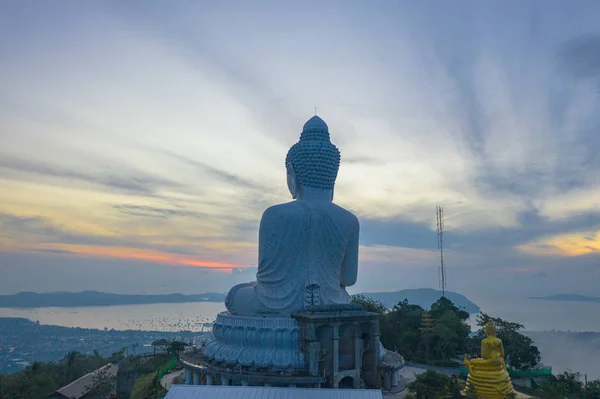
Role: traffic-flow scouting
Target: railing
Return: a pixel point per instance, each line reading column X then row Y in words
column 530, row 373
column 167, row 369
column 545, row 372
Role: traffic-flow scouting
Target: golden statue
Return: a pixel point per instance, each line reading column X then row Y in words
column 488, row 375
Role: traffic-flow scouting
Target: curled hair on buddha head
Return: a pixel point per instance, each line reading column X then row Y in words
column 490, row 329
column 314, row 159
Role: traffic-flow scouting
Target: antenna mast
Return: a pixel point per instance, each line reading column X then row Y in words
column 440, row 233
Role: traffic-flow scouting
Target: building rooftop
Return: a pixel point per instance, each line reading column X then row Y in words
column 83, row 385
column 235, row 392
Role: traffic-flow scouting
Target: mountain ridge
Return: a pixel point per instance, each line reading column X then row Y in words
column 567, row 298
column 423, row 297
column 97, row 298
column 420, row 296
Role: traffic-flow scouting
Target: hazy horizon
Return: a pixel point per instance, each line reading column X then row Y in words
column 141, row 142
column 562, row 351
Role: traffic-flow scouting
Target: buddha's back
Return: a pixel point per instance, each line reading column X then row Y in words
column 307, row 248
column 491, row 348
column 302, row 247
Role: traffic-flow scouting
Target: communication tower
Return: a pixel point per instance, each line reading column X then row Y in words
column 439, row 211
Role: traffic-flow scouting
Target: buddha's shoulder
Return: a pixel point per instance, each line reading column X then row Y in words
column 280, row 210
column 345, row 214
column 300, row 209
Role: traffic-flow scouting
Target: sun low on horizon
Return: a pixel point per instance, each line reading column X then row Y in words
column 148, row 140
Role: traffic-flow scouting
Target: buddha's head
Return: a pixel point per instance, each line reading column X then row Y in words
column 490, row 329
column 313, row 162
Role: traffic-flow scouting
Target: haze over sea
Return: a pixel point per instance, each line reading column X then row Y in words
column 535, row 315
column 558, row 351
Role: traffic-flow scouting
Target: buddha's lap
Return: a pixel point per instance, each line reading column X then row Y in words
column 487, row 365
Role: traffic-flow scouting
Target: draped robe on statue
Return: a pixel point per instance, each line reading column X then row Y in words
column 302, row 250
column 488, row 375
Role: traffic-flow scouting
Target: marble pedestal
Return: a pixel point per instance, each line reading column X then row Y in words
column 261, row 342
column 326, row 346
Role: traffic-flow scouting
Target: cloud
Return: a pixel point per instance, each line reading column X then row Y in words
column 123, row 181
column 159, row 134
column 150, row 211
column 53, row 251
column 41, row 235
column 216, row 173
column 397, row 234
column 581, row 56
column 574, row 244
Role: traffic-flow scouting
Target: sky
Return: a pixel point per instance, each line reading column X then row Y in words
column 140, row 141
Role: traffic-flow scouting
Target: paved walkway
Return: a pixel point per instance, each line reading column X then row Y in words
column 167, row 380
column 441, row 370
column 409, row 373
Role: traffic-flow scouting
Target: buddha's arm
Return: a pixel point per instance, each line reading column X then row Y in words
column 265, row 234
column 501, row 349
column 485, row 349
column 349, row 271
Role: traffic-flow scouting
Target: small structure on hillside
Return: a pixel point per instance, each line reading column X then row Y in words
column 160, row 346
column 99, row 384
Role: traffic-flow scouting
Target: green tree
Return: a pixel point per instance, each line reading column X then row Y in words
column 175, row 348
column 520, row 352
column 451, row 333
column 566, row 385
column 433, row 385
column 400, row 330
column 134, row 348
column 41, row 379
column 368, row 304
column 453, row 389
column 443, row 305
column 427, row 326
column 103, row 384
column 420, row 335
column 444, row 337
column 592, row 391
column 35, row 368
column 470, row 393
column 72, row 364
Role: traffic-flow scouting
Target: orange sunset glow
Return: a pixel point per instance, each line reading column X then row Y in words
column 141, row 140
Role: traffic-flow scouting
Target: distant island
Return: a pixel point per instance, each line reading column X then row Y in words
column 568, row 298
column 423, row 297
column 95, row 298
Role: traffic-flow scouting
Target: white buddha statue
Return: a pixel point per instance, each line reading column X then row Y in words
column 307, row 248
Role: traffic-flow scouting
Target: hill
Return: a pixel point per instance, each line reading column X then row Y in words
column 423, row 297
column 95, row 298
column 568, row 298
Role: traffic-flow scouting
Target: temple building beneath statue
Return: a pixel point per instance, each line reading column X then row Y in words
column 295, row 326
column 323, row 347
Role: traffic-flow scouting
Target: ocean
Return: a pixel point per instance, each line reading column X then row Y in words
column 535, row 315
column 543, row 315
column 154, row 317
column 560, row 351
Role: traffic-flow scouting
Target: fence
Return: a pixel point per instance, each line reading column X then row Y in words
column 545, row 372
column 167, row 369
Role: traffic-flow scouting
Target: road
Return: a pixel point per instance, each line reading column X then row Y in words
column 167, row 380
